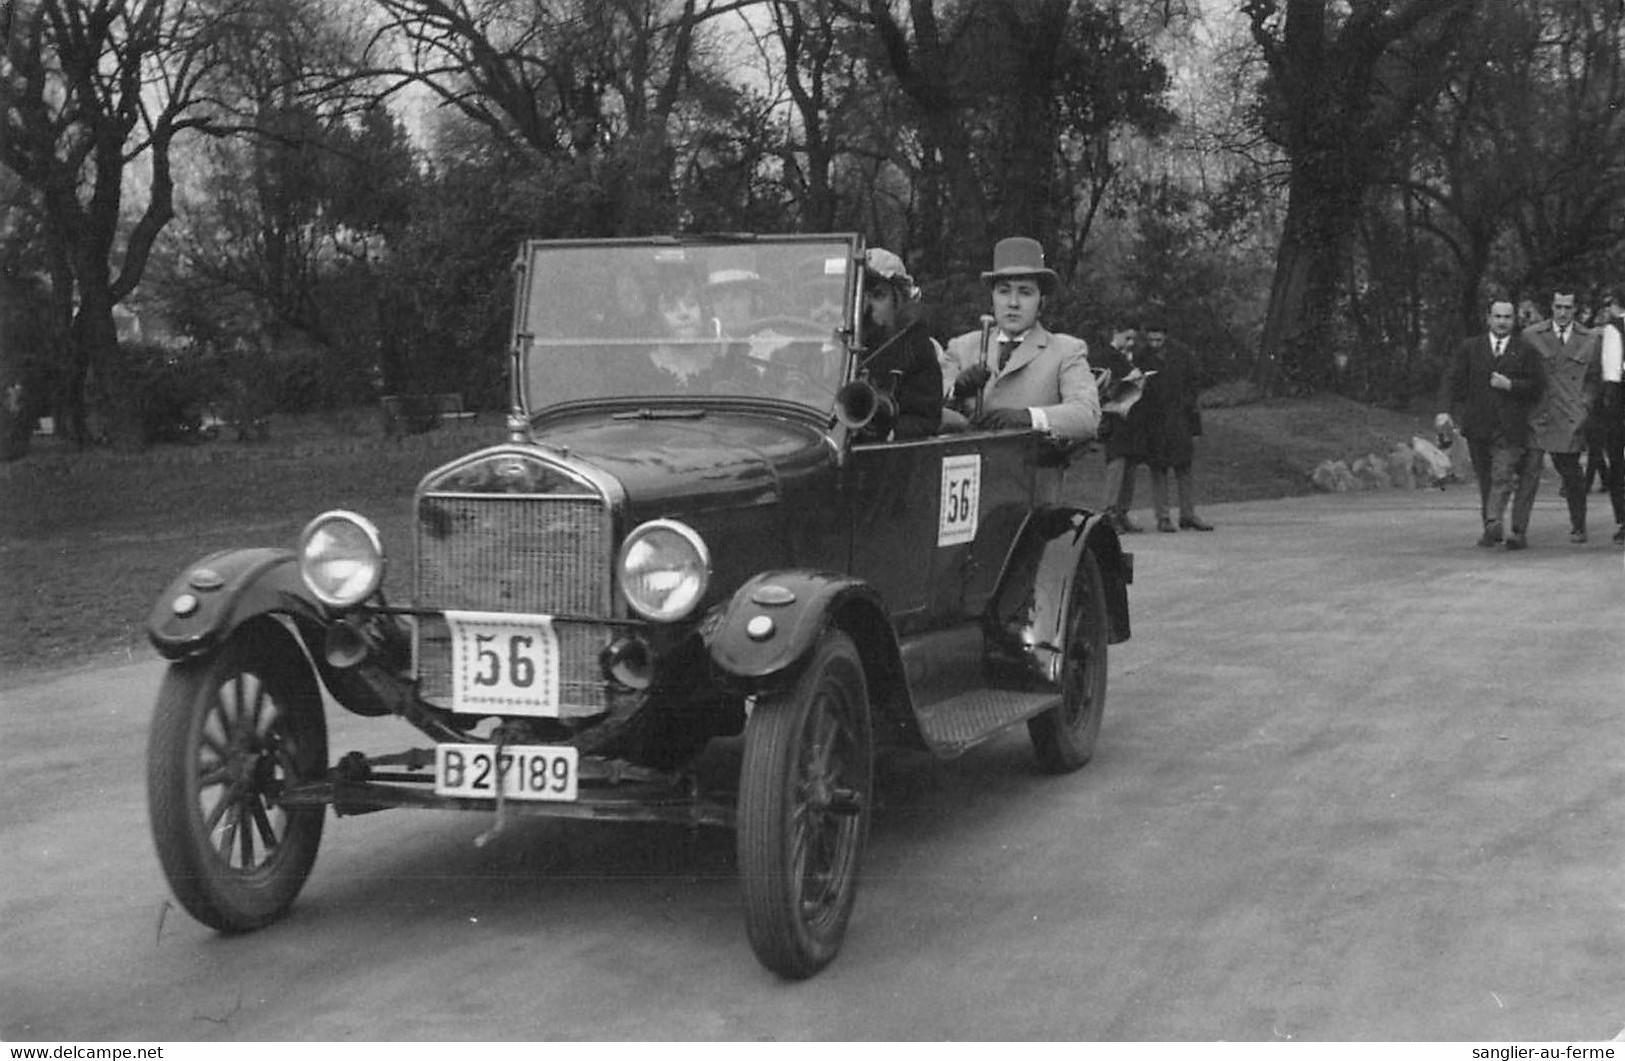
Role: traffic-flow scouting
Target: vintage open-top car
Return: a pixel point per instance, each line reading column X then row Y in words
column 692, row 533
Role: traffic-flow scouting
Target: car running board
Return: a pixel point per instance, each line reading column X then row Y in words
column 960, row 722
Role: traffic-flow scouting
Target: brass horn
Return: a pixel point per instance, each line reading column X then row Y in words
column 859, row 402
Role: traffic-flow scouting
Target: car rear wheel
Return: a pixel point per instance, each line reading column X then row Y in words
column 1064, row 736
column 805, row 797
column 230, row 734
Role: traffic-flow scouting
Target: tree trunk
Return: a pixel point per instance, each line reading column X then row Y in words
column 118, row 401
column 1294, row 350
column 1026, row 188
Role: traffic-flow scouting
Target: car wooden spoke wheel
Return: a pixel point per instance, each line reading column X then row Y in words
column 1064, row 736
column 231, row 733
column 804, row 805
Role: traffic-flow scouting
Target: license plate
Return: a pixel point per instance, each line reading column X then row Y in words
column 526, row 771
column 504, row 664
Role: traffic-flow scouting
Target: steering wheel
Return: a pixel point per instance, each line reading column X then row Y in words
column 799, row 327
column 795, row 360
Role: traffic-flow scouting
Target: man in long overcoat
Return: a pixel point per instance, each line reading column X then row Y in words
column 1571, row 357
column 1494, row 380
column 1172, row 423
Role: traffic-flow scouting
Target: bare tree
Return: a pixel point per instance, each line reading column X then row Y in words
column 1016, row 104
column 589, row 84
column 1565, row 112
column 1509, row 182
column 1345, row 80
column 925, row 56
column 808, row 34
column 89, row 89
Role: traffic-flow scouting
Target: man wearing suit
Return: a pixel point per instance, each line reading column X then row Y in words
column 1034, row 379
column 1571, row 357
column 1495, row 380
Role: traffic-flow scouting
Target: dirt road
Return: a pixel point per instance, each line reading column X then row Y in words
column 1358, row 780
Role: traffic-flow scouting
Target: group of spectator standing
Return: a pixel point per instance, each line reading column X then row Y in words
column 1015, row 374
column 1152, row 419
column 1551, row 387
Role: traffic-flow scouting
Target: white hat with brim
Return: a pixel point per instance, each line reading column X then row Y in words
column 1019, row 256
column 881, row 264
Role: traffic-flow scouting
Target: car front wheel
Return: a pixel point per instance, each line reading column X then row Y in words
column 230, row 734
column 1064, row 736
column 804, row 803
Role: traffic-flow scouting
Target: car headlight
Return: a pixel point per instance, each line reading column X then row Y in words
column 665, row 568
column 341, row 558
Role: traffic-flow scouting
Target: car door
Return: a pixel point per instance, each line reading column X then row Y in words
column 933, row 520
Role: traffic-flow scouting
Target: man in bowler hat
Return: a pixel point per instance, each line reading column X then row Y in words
column 1032, row 378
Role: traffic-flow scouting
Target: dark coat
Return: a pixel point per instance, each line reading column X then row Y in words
column 906, row 367
column 1491, row 415
column 1171, row 418
column 1158, row 428
column 1124, row 435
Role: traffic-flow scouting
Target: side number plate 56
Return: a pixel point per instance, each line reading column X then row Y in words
column 526, row 771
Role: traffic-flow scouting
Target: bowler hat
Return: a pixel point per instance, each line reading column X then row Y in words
column 1020, row 256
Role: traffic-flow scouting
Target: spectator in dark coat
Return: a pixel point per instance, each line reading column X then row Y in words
column 1122, row 426
column 902, row 361
column 1494, row 380
column 1172, row 420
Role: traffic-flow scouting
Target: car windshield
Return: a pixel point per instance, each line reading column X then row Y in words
column 762, row 318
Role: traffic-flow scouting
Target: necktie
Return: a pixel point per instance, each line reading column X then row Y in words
column 1562, row 336
column 1006, row 348
column 1500, row 346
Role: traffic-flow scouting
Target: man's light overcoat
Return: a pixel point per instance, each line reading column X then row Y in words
column 1048, row 371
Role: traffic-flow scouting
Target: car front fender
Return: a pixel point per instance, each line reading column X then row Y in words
column 773, row 620
column 217, row 594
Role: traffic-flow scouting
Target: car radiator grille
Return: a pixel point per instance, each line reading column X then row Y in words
column 531, row 555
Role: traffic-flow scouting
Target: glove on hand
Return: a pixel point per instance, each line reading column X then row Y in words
column 1003, row 420
column 971, row 381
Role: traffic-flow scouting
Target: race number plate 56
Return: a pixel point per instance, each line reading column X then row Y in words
column 527, row 771
column 961, row 498
column 504, row 664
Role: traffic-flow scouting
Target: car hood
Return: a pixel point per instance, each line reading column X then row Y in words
column 713, row 460
column 668, row 462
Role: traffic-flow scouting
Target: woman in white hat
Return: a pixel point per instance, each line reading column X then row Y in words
column 901, row 361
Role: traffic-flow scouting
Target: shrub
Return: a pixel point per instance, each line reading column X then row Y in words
column 157, row 393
